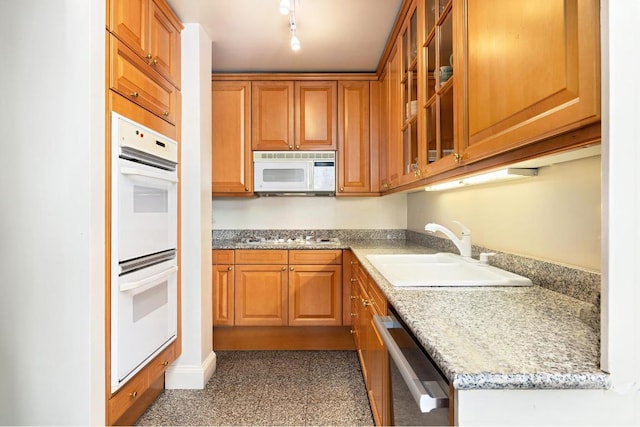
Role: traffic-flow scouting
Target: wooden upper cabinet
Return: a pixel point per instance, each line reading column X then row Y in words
column 165, row 43
column 231, row 162
column 315, row 112
column 354, row 152
column 272, row 118
column 152, row 31
column 533, row 71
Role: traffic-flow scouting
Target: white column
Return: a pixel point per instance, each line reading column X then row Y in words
column 197, row 362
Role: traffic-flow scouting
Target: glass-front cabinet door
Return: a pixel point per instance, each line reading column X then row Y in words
column 438, row 141
column 410, row 84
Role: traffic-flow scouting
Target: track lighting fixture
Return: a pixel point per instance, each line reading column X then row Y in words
column 287, row 7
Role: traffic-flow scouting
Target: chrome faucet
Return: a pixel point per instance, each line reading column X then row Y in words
column 463, row 244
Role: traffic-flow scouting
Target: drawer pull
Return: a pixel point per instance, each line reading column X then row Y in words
column 133, row 394
column 165, row 363
column 135, row 94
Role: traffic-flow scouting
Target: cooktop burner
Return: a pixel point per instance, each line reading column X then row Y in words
column 298, row 241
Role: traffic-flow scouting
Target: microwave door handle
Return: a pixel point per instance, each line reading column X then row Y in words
column 428, row 394
column 134, row 171
column 139, row 286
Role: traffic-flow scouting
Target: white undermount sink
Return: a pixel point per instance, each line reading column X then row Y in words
column 442, row 269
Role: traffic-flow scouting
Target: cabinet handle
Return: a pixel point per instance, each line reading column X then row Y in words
column 165, row 363
column 297, row 147
column 166, row 114
column 457, row 157
column 353, row 280
column 291, row 147
column 154, row 62
column 353, row 297
column 135, row 94
column 290, row 268
column 133, row 394
column 149, row 56
column 351, row 331
column 366, row 303
column 353, row 314
column 284, row 269
column 246, row 188
column 229, row 268
column 341, row 188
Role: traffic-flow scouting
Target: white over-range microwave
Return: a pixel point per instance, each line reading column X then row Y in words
column 294, row 172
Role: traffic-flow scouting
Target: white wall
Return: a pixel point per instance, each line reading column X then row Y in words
column 52, row 216
column 553, row 216
column 197, row 362
column 319, row 213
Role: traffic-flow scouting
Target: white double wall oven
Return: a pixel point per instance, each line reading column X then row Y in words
column 144, row 224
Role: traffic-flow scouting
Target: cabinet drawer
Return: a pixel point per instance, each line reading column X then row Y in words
column 222, row 256
column 160, row 363
column 127, row 395
column 260, row 256
column 377, row 297
column 134, row 79
column 311, row 257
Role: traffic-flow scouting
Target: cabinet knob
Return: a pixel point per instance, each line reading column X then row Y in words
column 353, row 314
column 135, row 94
column 290, row 268
column 297, row 147
column 246, row 188
column 154, row 62
column 165, row 363
column 366, row 303
column 284, row 268
column 291, row 147
column 341, row 188
column 353, row 297
column 149, row 56
column 353, row 280
column 133, row 394
column 351, row 331
column 166, row 114
column 457, row 157
column 229, row 268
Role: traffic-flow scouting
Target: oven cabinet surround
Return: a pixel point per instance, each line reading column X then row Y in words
column 142, row 53
column 501, row 104
column 254, row 287
column 294, row 115
column 368, row 300
column 231, row 160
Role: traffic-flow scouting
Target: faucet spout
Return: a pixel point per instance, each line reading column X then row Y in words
column 463, row 244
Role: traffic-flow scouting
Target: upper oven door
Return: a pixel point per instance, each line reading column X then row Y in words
column 146, row 210
column 285, row 176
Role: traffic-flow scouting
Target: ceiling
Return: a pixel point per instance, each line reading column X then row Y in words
column 252, row 36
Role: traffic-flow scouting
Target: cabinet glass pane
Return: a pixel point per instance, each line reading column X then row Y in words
column 414, row 37
column 445, row 58
column 430, row 61
column 410, row 142
column 446, row 121
column 405, row 47
column 430, row 16
column 442, row 5
column 430, row 124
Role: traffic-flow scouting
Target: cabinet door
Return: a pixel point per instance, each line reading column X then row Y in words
column 164, row 43
column 129, row 21
column 315, row 295
column 261, row 295
column 378, row 373
column 354, row 167
column 394, row 141
column 223, row 295
column 272, row 116
column 315, row 112
column 130, row 77
column 533, row 71
column 231, row 163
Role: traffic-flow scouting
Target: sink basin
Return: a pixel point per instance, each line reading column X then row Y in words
column 442, row 269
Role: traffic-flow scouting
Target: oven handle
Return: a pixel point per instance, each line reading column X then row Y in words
column 139, row 172
column 427, row 394
column 139, row 286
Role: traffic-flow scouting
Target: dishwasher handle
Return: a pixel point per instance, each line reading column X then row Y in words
column 429, row 395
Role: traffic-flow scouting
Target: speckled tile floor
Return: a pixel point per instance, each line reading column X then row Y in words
column 269, row 388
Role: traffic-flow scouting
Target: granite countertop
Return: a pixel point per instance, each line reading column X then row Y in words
column 490, row 337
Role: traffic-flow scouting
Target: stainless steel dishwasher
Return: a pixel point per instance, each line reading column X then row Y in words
column 419, row 391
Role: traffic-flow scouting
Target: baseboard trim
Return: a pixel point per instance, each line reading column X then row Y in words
column 190, row 377
column 282, row 338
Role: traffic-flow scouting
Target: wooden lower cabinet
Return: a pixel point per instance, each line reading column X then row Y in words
column 315, row 295
column 261, row 295
column 368, row 301
column 223, row 287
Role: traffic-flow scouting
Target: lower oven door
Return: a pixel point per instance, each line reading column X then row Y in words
column 419, row 392
column 143, row 318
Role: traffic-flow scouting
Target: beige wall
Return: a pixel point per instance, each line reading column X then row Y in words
column 554, row 216
column 321, row 213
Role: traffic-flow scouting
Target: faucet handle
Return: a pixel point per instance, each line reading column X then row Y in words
column 463, row 228
column 484, row 257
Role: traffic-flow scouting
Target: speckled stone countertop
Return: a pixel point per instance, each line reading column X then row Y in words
column 489, row 337
column 496, row 338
